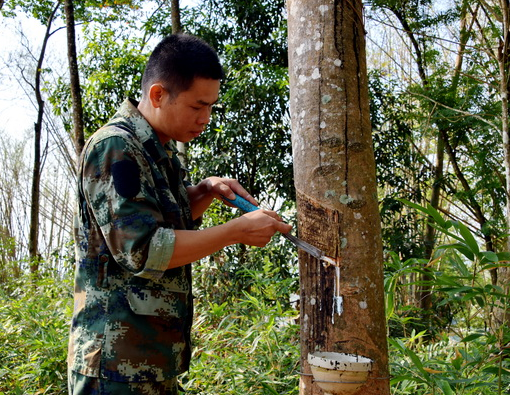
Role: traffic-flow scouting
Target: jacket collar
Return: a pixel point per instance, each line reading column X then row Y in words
column 135, row 121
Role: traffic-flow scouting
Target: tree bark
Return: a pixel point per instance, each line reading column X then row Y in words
column 342, row 306
column 79, row 138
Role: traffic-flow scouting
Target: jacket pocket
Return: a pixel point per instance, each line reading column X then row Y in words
column 159, row 303
column 84, row 353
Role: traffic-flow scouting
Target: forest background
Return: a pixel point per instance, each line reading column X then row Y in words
column 438, row 81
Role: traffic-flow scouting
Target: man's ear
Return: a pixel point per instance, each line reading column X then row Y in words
column 156, row 95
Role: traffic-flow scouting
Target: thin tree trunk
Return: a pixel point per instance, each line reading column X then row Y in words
column 176, row 29
column 79, row 138
column 176, row 17
column 424, row 294
column 429, row 241
column 33, row 248
column 430, row 232
column 342, row 305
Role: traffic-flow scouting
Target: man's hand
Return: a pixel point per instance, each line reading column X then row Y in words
column 257, row 228
column 228, row 187
column 202, row 194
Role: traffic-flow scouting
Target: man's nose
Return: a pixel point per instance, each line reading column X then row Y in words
column 205, row 116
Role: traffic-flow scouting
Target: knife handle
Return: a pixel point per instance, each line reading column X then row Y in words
column 242, row 204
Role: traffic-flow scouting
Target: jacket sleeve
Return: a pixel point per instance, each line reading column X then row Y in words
column 120, row 189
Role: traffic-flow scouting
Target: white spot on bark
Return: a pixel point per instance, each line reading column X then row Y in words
column 323, row 9
column 363, row 305
column 313, row 301
column 323, row 125
column 337, row 62
column 357, row 216
column 316, row 74
column 318, row 45
column 302, row 79
column 300, row 49
column 326, row 99
column 346, row 199
column 336, row 87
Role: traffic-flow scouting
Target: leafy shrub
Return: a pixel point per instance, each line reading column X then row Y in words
column 34, row 325
column 469, row 355
column 249, row 344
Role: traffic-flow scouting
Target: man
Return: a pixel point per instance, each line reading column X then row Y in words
column 135, row 229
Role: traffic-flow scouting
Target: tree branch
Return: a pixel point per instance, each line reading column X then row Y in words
column 466, row 113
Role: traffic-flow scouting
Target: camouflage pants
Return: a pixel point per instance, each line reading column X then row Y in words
column 83, row 385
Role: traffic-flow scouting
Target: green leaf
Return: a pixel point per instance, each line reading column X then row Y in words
column 472, row 337
column 270, row 389
column 390, row 304
column 437, row 217
column 503, row 256
column 445, row 387
column 468, row 237
column 400, row 378
column 414, row 205
column 496, row 371
column 462, row 248
column 416, row 361
column 490, row 256
column 480, row 301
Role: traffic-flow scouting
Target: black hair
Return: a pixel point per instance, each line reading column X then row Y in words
column 177, row 60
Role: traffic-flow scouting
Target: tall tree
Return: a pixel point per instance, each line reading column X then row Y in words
column 444, row 98
column 250, row 123
column 176, row 29
column 176, row 17
column 37, row 167
column 342, row 307
column 498, row 15
column 79, row 137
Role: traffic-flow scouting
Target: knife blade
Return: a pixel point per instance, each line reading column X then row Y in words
column 248, row 207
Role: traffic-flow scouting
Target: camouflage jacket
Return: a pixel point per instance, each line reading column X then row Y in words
column 132, row 317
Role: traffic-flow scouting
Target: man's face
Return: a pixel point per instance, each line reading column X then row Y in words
column 185, row 117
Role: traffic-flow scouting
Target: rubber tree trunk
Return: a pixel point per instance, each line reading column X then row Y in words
column 342, row 306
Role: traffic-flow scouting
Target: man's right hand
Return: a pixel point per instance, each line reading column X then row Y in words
column 257, row 228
